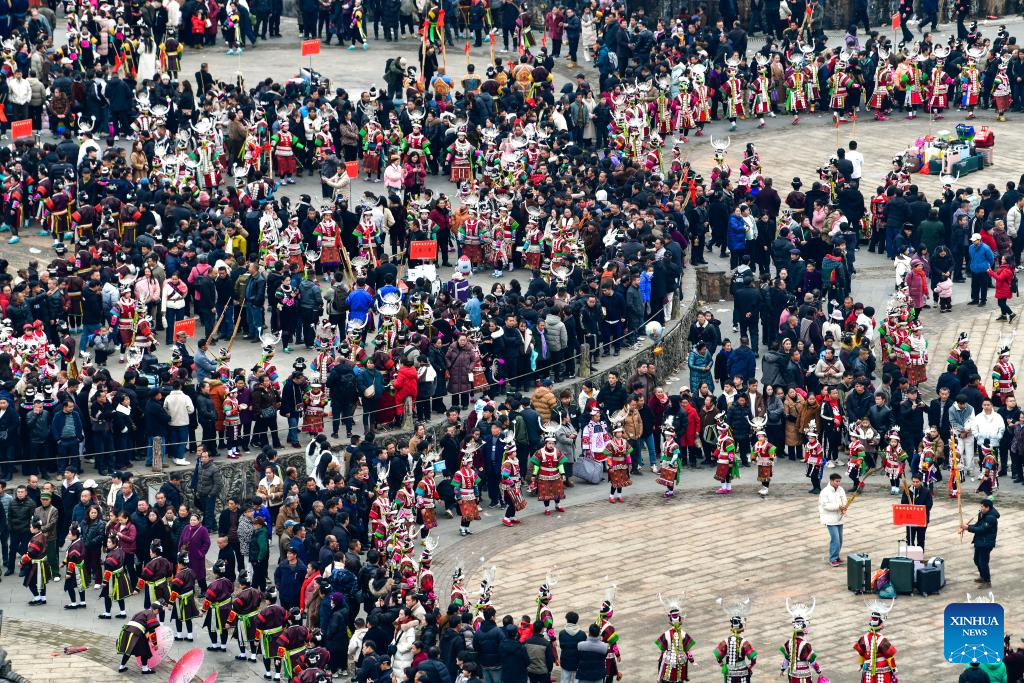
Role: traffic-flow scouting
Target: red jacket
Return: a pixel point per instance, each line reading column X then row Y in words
column 987, row 238
column 689, row 437
column 406, row 384
column 1003, row 277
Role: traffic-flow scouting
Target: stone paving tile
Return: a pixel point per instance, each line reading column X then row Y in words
column 34, row 646
column 708, row 547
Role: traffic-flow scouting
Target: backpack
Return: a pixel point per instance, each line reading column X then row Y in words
column 829, row 265
column 338, row 300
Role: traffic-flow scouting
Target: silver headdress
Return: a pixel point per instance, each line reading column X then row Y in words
column 879, row 610
column 800, row 613
column 736, row 609
column 674, row 607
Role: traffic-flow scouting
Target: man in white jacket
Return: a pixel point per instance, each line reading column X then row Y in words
column 179, row 407
column 988, row 427
column 831, row 508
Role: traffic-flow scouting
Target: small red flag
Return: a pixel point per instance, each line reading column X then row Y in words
column 466, row 49
column 544, row 40
column 895, row 21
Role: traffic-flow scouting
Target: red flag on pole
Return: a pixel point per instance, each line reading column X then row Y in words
column 466, row 49
column 352, row 169
column 895, row 21
column 310, row 47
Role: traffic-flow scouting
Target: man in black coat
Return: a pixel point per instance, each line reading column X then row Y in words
column 911, row 420
column 121, row 98
column 938, row 413
column 746, row 302
column 612, row 396
column 896, row 212
column 985, row 528
column 917, row 494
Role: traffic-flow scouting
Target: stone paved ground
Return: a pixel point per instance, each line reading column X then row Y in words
column 36, row 652
column 710, row 546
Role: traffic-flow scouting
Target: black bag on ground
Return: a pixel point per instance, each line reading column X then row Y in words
column 929, row 580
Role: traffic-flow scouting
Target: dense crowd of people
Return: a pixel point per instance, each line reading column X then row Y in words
column 580, row 191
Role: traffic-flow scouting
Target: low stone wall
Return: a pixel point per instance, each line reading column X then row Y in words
column 240, row 477
column 712, row 285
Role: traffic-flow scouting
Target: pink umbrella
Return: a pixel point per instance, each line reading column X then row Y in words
column 212, row 678
column 187, row 667
column 160, row 648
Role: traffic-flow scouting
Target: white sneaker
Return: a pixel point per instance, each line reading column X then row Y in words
column 182, row 462
column 654, row 468
column 830, row 464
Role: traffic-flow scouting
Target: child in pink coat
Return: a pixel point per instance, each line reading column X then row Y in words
column 945, row 291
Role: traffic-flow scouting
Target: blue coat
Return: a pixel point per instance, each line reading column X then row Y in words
column 980, row 257
column 57, row 426
column 736, row 236
column 742, row 362
column 289, row 580
column 359, row 303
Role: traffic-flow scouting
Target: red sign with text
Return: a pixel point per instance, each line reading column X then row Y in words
column 310, row 47
column 188, row 326
column 910, row 515
column 352, row 169
column 423, row 250
column 21, row 129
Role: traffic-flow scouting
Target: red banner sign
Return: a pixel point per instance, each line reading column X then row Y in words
column 188, row 326
column 352, row 169
column 910, row 515
column 423, row 250
column 21, row 129
column 310, row 47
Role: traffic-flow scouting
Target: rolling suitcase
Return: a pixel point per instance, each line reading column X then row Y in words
column 858, row 573
column 984, row 138
column 914, row 552
column 929, row 580
column 940, row 564
column 901, row 574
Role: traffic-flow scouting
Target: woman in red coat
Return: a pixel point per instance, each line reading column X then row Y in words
column 406, row 384
column 1003, row 276
column 688, row 436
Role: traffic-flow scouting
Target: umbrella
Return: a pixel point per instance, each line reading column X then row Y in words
column 187, row 667
column 212, row 678
column 161, row 646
